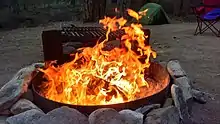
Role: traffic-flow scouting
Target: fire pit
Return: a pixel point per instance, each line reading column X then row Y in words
column 158, row 73
column 96, row 77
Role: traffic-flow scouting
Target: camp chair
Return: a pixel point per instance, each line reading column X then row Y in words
column 208, row 19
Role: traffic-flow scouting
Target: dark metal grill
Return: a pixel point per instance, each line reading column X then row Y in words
column 89, row 32
column 53, row 40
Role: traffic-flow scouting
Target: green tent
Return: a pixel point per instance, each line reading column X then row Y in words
column 155, row 15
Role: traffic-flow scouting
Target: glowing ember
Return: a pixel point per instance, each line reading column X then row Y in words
column 98, row 77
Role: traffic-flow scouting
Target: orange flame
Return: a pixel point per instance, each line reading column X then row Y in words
column 136, row 15
column 96, row 76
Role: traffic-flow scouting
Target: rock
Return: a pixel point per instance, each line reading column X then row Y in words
column 168, row 102
column 63, row 115
column 199, row 96
column 14, row 89
column 183, row 83
column 105, row 116
column 168, row 115
column 190, row 103
column 132, row 117
column 146, row 109
column 3, row 119
column 6, row 112
column 28, row 117
column 23, row 105
column 180, row 102
column 174, row 69
column 28, row 95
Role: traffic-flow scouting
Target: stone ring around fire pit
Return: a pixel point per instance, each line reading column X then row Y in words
column 156, row 72
column 17, row 103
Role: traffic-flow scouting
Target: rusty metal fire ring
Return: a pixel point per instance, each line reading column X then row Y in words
column 158, row 72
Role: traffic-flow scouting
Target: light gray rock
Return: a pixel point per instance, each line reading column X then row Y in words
column 23, row 105
column 63, row 115
column 28, row 117
column 12, row 90
column 168, row 115
column 146, row 109
column 3, row 119
column 175, row 70
column 116, row 120
column 132, row 117
column 28, row 95
column 199, row 96
column 168, row 102
column 183, row 83
column 180, row 102
column 106, row 116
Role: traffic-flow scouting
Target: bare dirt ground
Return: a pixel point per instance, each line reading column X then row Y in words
column 199, row 56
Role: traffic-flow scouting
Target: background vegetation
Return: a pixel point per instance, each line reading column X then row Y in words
column 27, row 13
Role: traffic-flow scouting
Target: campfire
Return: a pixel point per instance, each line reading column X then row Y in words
column 97, row 76
column 100, row 84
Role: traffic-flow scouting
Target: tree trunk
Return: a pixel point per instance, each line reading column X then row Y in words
column 102, row 10
column 185, row 7
column 73, row 2
column 123, row 5
column 176, row 7
column 181, row 7
column 87, row 10
column 94, row 10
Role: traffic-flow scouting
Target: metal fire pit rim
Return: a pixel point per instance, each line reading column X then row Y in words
column 163, row 90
